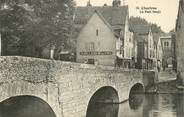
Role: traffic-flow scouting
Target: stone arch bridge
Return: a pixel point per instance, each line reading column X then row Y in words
column 67, row 87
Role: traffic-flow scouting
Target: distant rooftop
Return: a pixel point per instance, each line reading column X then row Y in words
column 166, row 35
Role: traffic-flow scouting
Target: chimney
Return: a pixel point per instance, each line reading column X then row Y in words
column 116, row 3
column 89, row 3
column 119, row 2
column 105, row 4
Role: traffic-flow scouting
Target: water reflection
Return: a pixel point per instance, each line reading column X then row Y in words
column 25, row 106
column 103, row 110
column 135, row 97
column 150, row 105
column 101, row 103
column 135, row 101
column 179, row 102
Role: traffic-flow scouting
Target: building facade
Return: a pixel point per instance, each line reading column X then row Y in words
column 167, row 44
column 145, row 46
column 97, row 43
column 142, row 53
column 105, row 31
column 158, row 51
column 180, row 41
column 174, row 51
column 135, row 48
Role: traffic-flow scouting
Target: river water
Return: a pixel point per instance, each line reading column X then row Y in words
column 140, row 105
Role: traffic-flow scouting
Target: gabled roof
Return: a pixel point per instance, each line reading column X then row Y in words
column 113, row 15
column 103, row 19
column 166, row 34
column 105, row 22
column 182, row 4
column 141, row 29
column 180, row 9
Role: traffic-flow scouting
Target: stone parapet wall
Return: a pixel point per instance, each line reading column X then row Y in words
column 67, row 87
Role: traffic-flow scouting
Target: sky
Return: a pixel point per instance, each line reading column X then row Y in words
column 166, row 10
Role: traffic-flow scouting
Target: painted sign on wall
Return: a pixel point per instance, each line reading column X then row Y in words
column 96, row 53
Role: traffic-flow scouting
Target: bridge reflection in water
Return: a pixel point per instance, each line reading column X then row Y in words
column 139, row 105
column 102, row 101
column 25, row 106
column 149, row 105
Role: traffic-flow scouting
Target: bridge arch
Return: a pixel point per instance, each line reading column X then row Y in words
column 25, row 106
column 136, row 96
column 137, row 88
column 67, row 87
column 104, row 95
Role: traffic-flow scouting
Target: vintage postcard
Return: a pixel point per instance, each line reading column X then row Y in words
column 92, row 58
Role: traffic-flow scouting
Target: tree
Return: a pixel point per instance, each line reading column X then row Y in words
column 134, row 21
column 35, row 25
column 156, row 29
column 11, row 23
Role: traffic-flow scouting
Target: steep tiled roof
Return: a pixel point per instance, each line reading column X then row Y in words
column 182, row 4
column 110, row 27
column 180, row 11
column 141, row 29
column 166, row 34
column 78, row 27
column 113, row 15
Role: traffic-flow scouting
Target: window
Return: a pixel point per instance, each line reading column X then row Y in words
column 166, row 44
column 122, row 50
column 130, row 39
column 179, row 26
column 91, row 61
column 91, row 46
column 97, row 32
column 153, row 54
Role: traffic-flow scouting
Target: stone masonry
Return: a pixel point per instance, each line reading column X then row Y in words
column 66, row 87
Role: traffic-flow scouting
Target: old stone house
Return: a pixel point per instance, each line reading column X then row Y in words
column 92, row 44
column 180, row 40
column 135, row 47
column 167, row 45
column 145, row 43
column 173, row 46
column 141, row 52
column 103, row 35
column 158, row 50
